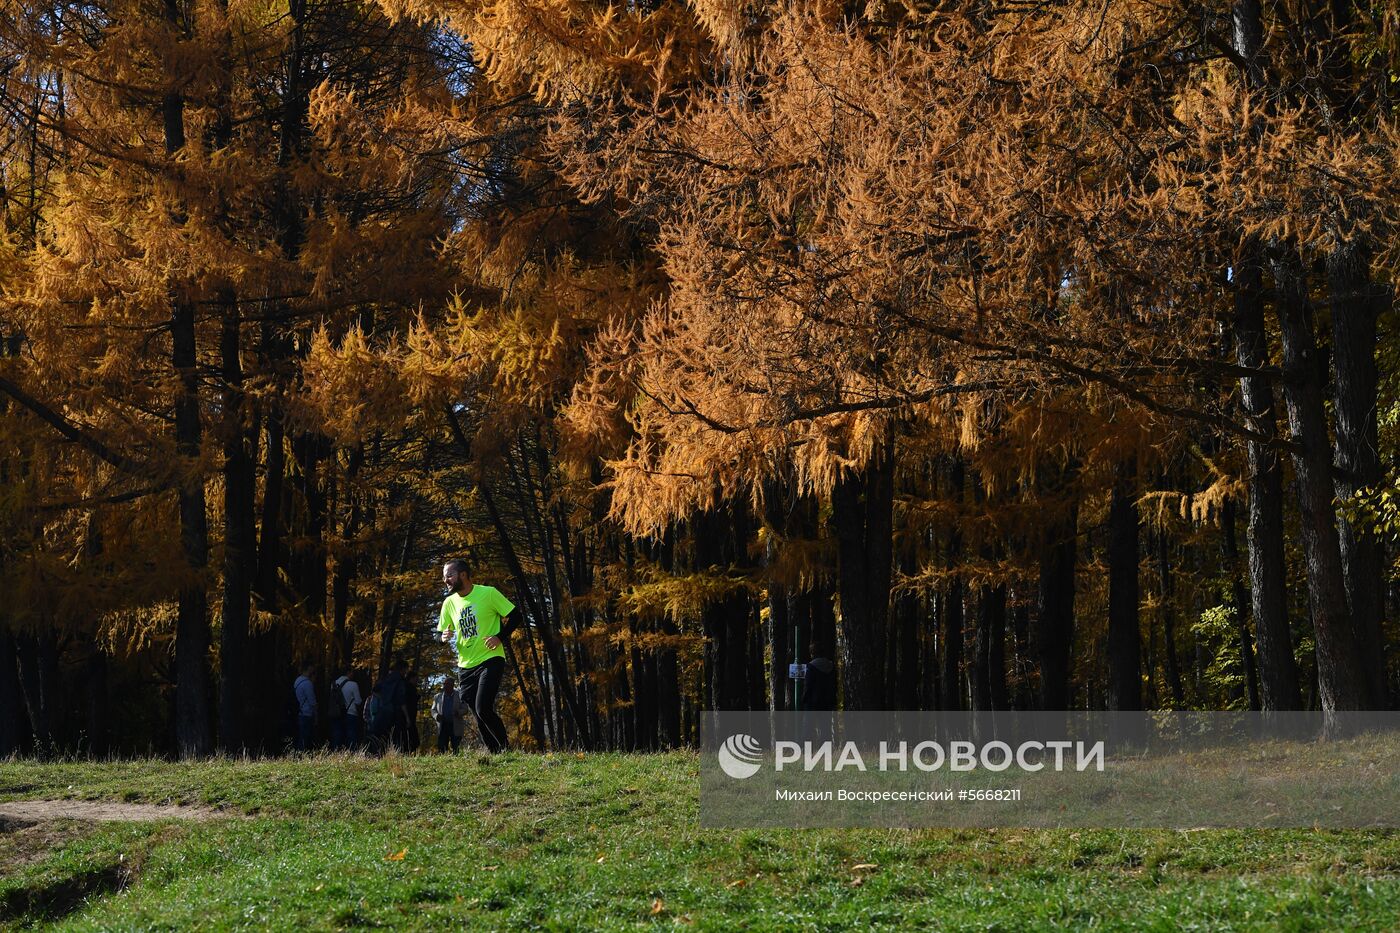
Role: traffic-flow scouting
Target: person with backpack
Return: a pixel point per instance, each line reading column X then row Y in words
column 379, row 720
column 394, row 690
column 344, row 712
column 475, row 618
column 306, row 707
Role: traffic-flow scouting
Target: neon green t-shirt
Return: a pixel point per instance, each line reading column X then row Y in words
column 475, row 617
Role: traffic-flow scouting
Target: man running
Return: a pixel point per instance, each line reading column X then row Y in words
column 477, row 617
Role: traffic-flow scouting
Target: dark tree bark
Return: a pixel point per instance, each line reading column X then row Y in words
column 668, row 711
column 952, row 611
column 668, row 702
column 719, row 538
column 862, row 523
column 778, row 630
column 1024, row 697
column 908, row 624
column 1356, row 303
column 38, row 680
column 1168, row 613
column 951, row 662
column 192, row 637
column 307, row 561
column 1340, row 682
column 240, row 434
column 777, row 499
column 989, row 665
column 1278, row 673
column 13, row 723
column 1124, row 631
column 99, row 704
column 192, row 723
column 1054, row 625
column 1241, row 605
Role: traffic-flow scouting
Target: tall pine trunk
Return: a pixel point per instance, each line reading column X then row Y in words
column 1356, row 302
column 862, row 520
column 1339, row 680
column 1054, row 623
column 1240, row 601
column 1168, row 613
column 1124, row 632
column 240, row 535
column 192, row 639
column 1264, row 537
column 13, row 724
column 1278, row 673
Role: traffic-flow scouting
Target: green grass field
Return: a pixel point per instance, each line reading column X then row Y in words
column 612, row 841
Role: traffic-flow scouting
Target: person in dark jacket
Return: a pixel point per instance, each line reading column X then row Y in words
column 412, row 700
column 394, row 688
column 306, row 707
column 379, row 720
column 819, row 699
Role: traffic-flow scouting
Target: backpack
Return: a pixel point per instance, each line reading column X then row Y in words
column 378, row 714
column 338, row 707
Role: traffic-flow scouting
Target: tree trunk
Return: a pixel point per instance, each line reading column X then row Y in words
column 240, row 433
column 779, row 645
column 99, row 711
column 13, row 724
column 38, row 681
column 989, row 668
column 1124, row 631
column 1340, row 683
column 717, row 537
column 951, row 694
column 192, row 726
column 1278, row 673
column 1024, row 698
column 192, row 628
column 1168, row 612
column 861, row 517
column 1356, row 302
column 307, row 561
column 1054, row 628
column 1238, row 597
column 908, row 669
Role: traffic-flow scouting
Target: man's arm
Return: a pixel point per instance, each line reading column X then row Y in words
column 509, row 617
column 507, row 626
column 447, row 631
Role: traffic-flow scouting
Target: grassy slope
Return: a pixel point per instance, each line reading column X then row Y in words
column 569, row 842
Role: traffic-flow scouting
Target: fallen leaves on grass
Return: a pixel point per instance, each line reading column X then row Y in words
column 397, row 856
column 657, row 906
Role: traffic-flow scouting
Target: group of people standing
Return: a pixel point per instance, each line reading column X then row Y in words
column 475, row 619
column 387, row 718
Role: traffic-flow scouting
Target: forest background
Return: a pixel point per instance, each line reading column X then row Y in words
column 1011, row 354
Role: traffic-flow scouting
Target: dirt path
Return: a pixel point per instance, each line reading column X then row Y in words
column 29, row 811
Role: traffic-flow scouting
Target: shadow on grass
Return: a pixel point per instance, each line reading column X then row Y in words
column 56, row 899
